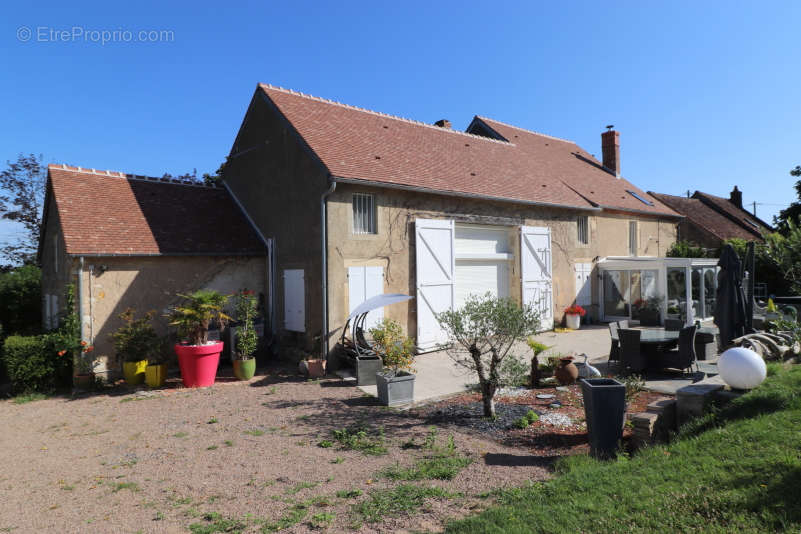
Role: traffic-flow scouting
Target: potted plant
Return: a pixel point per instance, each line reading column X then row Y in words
column 573, row 315
column 84, row 376
column 198, row 357
column 135, row 341
column 246, row 339
column 537, row 348
column 395, row 383
column 648, row 311
column 156, row 371
column 66, row 341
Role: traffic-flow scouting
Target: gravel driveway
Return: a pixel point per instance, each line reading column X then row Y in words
column 237, row 456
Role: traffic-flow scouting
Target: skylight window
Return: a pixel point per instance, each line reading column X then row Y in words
column 638, row 197
column 752, row 223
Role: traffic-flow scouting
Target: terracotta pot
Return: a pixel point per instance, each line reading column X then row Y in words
column 198, row 363
column 316, row 368
column 566, row 372
column 84, row 380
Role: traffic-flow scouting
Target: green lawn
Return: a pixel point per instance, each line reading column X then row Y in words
column 735, row 470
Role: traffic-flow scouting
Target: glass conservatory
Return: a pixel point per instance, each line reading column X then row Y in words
column 679, row 288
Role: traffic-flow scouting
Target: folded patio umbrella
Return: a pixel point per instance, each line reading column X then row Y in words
column 730, row 306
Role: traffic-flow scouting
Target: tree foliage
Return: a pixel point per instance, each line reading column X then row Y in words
column 247, row 340
column 685, row 249
column 21, row 300
column 785, row 252
column 793, row 211
column 196, row 314
column 22, row 191
column 482, row 333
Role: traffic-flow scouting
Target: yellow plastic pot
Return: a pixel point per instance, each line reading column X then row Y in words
column 134, row 372
column 155, row 375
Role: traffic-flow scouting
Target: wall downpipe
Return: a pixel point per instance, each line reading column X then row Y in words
column 80, row 296
column 324, row 251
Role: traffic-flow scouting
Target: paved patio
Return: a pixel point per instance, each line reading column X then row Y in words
column 438, row 376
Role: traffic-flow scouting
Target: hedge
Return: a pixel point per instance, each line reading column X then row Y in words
column 34, row 365
column 21, row 300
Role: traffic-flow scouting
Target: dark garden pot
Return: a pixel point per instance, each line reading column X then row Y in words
column 650, row 317
column 245, row 369
column 604, row 409
column 394, row 390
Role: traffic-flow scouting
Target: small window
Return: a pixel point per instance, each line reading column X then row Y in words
column 638, row 197
column 364, row 214
column 583, row 225
column 633, row 241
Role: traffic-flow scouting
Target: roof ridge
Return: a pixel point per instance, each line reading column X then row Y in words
column 527, row 130
column 384, row 115
column 120, row 174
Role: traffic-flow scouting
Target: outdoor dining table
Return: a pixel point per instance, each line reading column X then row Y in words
column 652, row 340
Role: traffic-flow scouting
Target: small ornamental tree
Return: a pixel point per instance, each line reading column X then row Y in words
column 136, row 339
column 246, row 306
column 396, row 349
column 198, row 310
column 482, row 333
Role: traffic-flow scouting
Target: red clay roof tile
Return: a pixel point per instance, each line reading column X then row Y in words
column 111, row 213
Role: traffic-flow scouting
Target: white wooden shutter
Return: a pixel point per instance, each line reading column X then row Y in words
column 365, row 283
column 535, row 272
column 583, row 284
column 294, row 300
column 435, row 262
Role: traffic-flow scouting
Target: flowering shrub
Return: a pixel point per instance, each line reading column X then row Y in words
column 395, row 348
column 575, row 309
column 136, row 339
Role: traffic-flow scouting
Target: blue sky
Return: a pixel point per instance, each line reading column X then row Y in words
column 705, row 94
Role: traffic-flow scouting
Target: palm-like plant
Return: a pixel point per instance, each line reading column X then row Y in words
column 195, row 314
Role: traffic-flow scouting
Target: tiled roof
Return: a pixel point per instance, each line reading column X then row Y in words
column 359, row 144
column 566, row 161
column 111, row 213
column 706, row 217
column 739, row 215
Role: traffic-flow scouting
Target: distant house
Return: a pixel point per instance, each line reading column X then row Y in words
column 709, row 220
column 132, row 241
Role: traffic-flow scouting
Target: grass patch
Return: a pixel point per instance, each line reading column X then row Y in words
column 361, row 439
column 439, row 468
column 228, row 443
column 349, row 494
column 297, row 488
column 212, row 421
column 735, row 470
column 217, row 523
column 395, row 501
column 133, row 486
column 211, row 448
column 338, row 460
column 321, row 520
column 254, row 432
column 180, row 434
column 294, row 515
column 29, row 397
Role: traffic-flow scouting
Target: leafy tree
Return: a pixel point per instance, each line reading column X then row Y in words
column 21, row 300
column 22, row 190
column 785, row 252
column 766, row 269
column 793, row 211
column 482, row 333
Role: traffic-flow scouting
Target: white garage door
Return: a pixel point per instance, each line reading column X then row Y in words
column 482, row 262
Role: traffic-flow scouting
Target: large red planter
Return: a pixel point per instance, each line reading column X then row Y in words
column 198, row 363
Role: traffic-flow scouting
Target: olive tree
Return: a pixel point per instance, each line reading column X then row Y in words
column 481, row 335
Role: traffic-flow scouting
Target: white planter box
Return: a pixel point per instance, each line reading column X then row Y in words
column 573, row 321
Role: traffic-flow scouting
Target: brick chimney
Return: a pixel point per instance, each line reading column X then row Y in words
column 610, row 148
column 736, row 197
column 443, row 123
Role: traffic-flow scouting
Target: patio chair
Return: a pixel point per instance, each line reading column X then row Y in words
column 674, row 324
column 684, row 357
column 623, row 324
column 631, row 357
column 614, row 350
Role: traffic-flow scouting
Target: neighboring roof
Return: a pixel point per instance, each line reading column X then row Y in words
column 706, row 217
column 577, row 168
column 362, row 145
column 741, row 216
column 112, row 213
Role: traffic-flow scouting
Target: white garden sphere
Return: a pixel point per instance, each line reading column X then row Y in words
column 742, row 368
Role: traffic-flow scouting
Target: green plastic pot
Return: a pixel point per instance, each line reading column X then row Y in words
column 245, row 369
